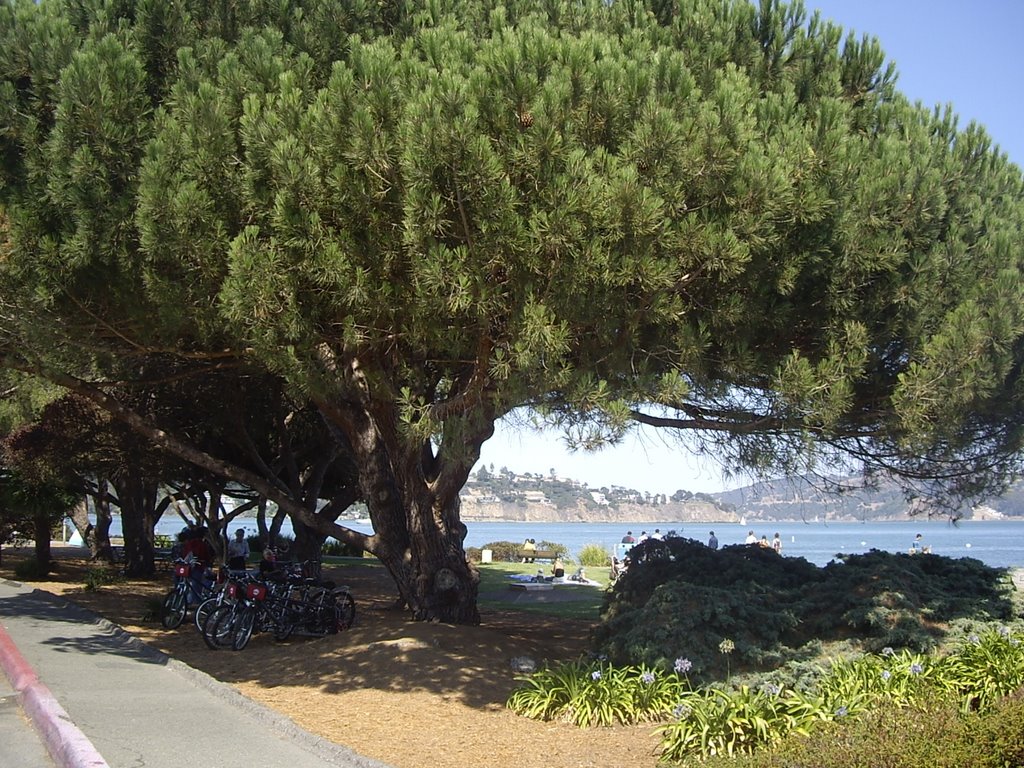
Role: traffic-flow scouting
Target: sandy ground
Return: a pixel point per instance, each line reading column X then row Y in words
column 410, row 694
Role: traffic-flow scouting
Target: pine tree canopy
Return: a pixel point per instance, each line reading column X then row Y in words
column 706, row 215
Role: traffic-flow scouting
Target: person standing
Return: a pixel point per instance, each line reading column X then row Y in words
column 628, row 538
column 713, row 541
column 238, row 551
column 751, row 538
column 777, row 544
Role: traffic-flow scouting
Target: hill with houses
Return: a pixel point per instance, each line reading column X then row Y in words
column 506, row 495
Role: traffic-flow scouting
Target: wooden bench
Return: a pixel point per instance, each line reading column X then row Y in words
column 529, row 555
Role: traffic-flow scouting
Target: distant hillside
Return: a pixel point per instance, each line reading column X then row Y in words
column 505, row 495
column 801, row 499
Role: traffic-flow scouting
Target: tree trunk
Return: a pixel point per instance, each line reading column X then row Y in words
column 41, row 524
column 80, row 519
column 433, row 576
column 138, row 506
column 308, row 542
column 261, row 522
column 414, row 508
column 275, row 526
column 101, row 548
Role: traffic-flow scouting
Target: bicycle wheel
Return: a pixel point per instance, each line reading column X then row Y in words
column 317, row 611
column 219, row 627
column 203, row 611
column 173, row 609
column 244, row 622
column 284, row 623
column 345, row 607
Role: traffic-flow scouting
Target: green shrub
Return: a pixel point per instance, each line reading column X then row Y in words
column 932, row 734
column 679, row 596
column 683, row 619
column 100, row 576
column 997, row 735
column 595, row 556
column 891, row 691
column 30, row 570
column 712, row 722
column 504, row 551
column 985, row 668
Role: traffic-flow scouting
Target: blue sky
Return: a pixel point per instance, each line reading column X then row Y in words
column 946, row 51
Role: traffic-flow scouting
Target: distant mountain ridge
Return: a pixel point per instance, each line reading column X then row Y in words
column 506, row 495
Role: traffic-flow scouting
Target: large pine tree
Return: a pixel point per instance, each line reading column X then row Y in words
column 704, row 215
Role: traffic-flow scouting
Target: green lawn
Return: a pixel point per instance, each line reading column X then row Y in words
column 495, row 592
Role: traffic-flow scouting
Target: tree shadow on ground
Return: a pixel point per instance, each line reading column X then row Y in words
column 383, row 651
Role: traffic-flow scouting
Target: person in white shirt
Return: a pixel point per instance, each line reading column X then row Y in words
column 238, row 551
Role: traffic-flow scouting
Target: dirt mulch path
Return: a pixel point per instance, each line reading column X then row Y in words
column 410, row 694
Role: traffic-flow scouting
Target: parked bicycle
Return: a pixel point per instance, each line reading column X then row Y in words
column 282, row 604
column 193, row 584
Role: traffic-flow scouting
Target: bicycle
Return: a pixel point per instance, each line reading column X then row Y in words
column 257, row 608
column 282, row 605
column 188, row 590
column 220, row 595
column 316, row 609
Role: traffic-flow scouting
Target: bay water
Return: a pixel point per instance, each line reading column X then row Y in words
column 999, row 543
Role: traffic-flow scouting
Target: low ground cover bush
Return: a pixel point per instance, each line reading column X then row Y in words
column 932, row 734
column 786, row 612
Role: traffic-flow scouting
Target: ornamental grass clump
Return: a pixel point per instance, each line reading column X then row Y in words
column 903, row 679
column 588, row 693
column 985, row 668
column 712, row 722
column 595, row 556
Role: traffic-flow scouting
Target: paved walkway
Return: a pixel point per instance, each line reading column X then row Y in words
column 20, row 745
column 137, row 707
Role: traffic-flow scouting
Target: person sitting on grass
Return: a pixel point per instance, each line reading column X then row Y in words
column 558, row 569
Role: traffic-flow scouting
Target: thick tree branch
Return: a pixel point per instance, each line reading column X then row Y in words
column 193, row 455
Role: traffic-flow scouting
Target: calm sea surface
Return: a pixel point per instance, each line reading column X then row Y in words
column 997, row 543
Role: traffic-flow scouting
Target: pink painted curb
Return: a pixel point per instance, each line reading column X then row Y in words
column 67, row 745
